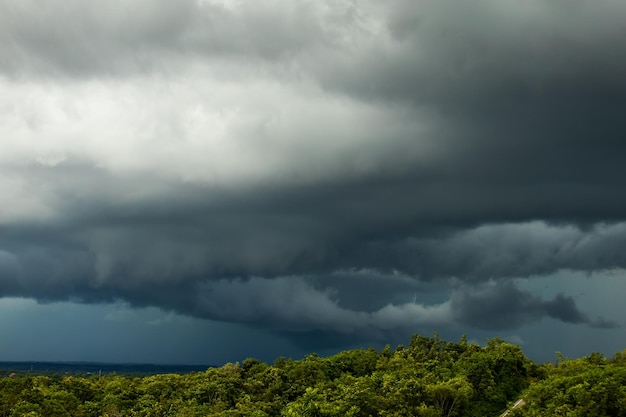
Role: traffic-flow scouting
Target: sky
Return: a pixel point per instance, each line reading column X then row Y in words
column 201, row 181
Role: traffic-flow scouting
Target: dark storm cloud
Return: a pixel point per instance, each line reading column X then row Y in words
column 564, row 309
column 192, row 253
column 336, row 168
column 503, row 306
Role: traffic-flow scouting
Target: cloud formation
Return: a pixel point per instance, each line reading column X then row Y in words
column 503, row 306
column 333, row 166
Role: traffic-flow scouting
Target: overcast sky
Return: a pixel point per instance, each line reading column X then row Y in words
column 199, row 181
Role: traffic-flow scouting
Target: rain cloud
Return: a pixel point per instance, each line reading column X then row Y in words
column 341, row 167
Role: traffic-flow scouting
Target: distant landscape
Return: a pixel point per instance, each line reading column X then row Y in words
column 87, row 368
column 427, row 377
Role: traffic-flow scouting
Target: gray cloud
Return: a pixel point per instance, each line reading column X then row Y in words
column 187, row 248
column 564, row 308
column 503, row 306
column 116, row 39
column 335, row 167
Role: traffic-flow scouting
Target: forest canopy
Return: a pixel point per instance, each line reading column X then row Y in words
column 427, row 377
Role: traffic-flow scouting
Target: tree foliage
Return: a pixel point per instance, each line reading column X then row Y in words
column 429, row 377
column 592, row 386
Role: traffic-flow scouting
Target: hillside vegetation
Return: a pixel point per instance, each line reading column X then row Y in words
column 428, row 377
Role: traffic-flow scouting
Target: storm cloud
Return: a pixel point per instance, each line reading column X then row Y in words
column 337, row 167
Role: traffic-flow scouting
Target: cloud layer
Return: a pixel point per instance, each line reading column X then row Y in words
column 331, row 166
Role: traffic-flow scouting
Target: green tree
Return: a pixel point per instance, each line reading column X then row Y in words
column 451, row 395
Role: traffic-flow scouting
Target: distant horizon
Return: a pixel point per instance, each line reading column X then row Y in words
column 547, row 357
column 70, row 362
column 91, row 368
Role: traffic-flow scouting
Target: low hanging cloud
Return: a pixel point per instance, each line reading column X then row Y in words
column 330, row 166
column 292, row 303
column 502, row 306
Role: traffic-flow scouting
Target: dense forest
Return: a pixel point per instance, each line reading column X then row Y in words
column 428, row 377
